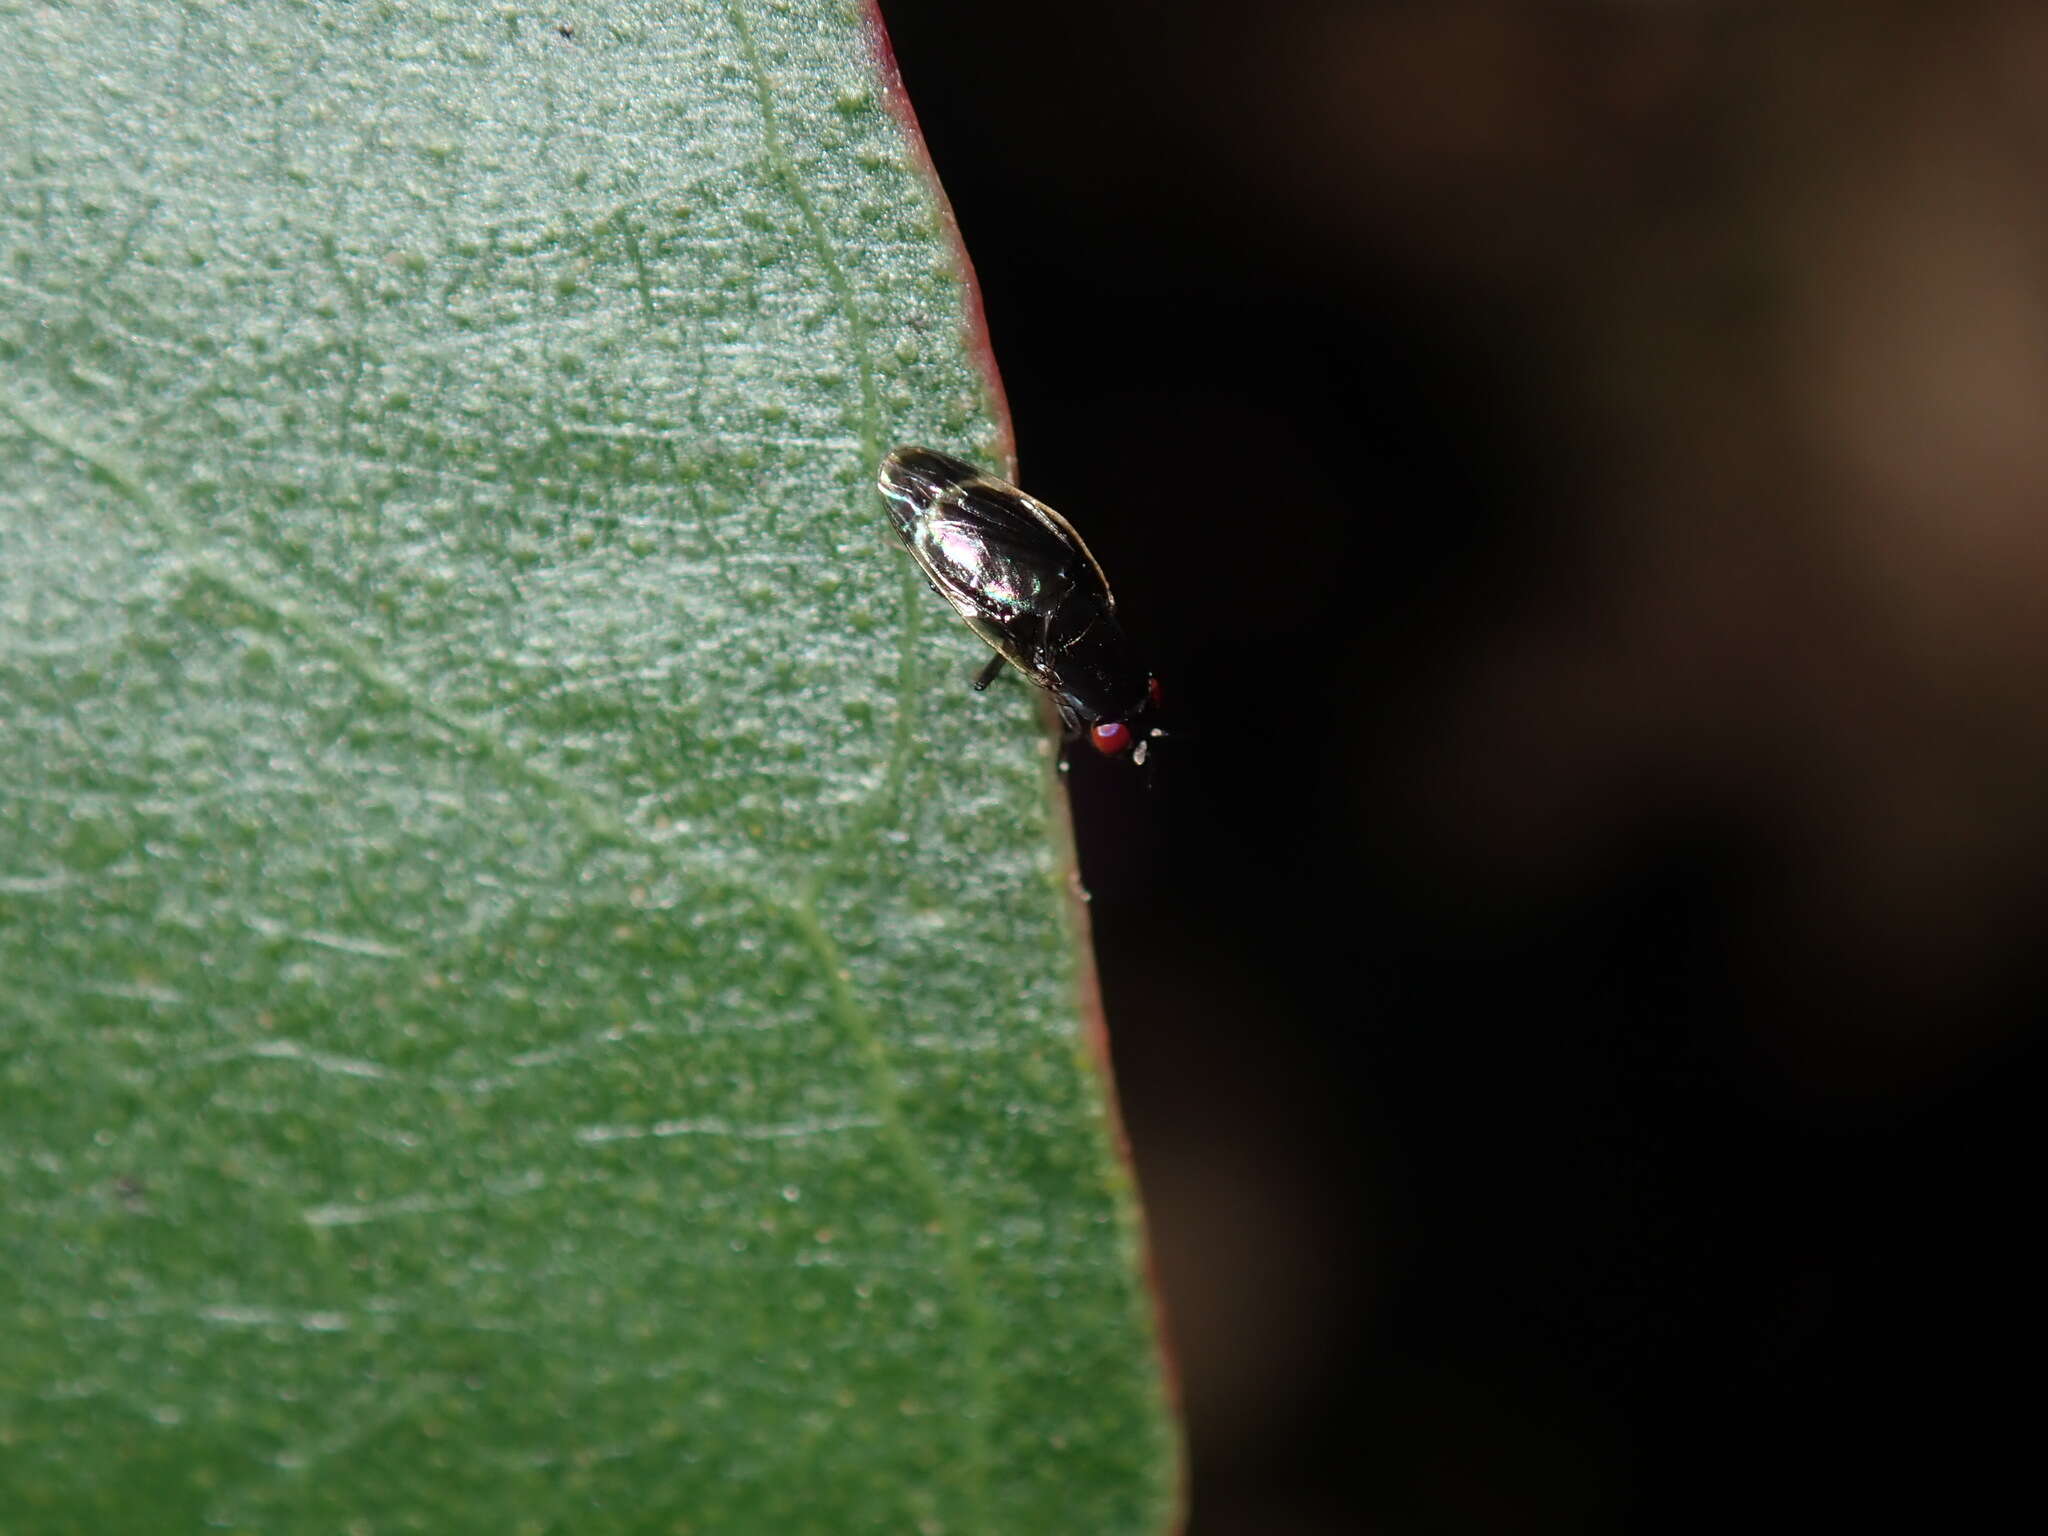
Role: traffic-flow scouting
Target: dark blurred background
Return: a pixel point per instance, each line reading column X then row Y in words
column 1584, row 471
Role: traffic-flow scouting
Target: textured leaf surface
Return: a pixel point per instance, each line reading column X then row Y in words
column 531, row 996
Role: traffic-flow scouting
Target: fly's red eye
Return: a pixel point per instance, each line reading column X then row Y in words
column 1158, row 694
column 1110, row 737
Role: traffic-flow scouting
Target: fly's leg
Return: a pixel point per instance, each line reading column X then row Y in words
column 1021, row 636
column 1070, row 724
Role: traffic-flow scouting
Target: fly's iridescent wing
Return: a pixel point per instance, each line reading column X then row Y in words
column 1007, row 563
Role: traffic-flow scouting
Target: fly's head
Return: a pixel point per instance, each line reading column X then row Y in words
column 1135, row 733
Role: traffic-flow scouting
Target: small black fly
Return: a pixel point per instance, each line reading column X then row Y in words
column 1020, row 576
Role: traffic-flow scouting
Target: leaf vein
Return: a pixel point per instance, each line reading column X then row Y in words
column 886, row 1093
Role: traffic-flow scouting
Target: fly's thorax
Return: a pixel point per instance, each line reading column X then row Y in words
column 1100, row 676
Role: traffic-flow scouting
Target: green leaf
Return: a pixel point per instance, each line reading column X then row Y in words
column 532, row 997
